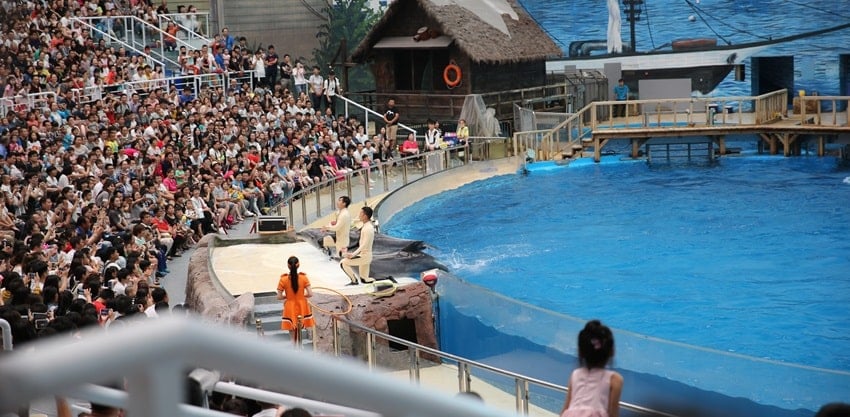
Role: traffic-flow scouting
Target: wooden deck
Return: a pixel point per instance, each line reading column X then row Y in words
column 706, row 120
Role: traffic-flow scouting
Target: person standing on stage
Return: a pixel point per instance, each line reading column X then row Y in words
column 341, row 228
column 294, row 290
column 362, row 256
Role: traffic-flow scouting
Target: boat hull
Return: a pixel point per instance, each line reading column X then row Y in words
column 706, row 68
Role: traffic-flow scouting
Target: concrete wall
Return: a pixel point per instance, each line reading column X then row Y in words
column 414, row 192
column 289, row 25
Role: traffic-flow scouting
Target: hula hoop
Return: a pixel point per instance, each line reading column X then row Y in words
column 333, row 313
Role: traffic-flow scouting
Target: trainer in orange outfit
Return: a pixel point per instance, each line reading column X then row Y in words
column 294, row 294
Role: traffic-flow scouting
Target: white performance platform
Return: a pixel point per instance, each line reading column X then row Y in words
column 256, row 268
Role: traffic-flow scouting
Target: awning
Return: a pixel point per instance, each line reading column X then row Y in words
column 407, row 42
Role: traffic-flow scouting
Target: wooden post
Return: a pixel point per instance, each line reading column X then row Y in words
column 820, row 145
column 786, row 144
column 635, row 148
column 597, row 153
column 721, row 141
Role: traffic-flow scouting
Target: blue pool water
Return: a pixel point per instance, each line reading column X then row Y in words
column 816, row 59
column 750, row 255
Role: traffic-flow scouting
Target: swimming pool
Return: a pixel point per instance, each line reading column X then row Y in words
column 748, row 256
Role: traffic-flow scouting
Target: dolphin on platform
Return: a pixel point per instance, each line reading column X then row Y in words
column 391, row 256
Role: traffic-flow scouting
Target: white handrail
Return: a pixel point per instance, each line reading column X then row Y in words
column 369, row 111
column 190, row 34
column 206, row 15
column 151, row 356
column 113, row 38
column 7, row 335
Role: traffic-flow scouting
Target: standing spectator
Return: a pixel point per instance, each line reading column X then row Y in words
column 299, row 75
column 594, row 390
column 317, row 85
column 286, row 72
column 391, row 117
column 271, row 67
column 259, row 63
column 294, row 290
column 228, row 39
column 332, row 88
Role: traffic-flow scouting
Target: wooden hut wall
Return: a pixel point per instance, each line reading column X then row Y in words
column 507, row 76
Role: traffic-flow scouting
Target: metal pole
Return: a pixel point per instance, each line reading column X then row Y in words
column 299, row 326
column 318, row 191
column 366, row 180
column 370, row 345
column 303, row 208
column 462, row 383
column 521, row 396
column 348, row 182
column 336, row 346
column 414, row 364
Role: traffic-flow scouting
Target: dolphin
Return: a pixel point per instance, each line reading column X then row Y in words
column 392, row 256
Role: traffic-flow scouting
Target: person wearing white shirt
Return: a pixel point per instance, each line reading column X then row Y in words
column 317, row 85
column 433, row 136
column 332, row 88
column 341, row 227
column 362, row 256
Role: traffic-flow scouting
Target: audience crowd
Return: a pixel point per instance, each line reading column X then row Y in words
column 104, row 181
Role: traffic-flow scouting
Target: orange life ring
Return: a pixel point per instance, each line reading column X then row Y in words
column 454, row 81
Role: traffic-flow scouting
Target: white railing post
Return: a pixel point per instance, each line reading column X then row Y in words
column 7, row 335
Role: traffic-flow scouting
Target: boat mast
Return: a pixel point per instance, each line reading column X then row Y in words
column 633, row 11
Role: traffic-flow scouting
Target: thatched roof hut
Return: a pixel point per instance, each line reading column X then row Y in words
column 495, row 45
column 509, row 38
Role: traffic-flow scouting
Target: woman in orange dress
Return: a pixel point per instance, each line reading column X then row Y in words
column 294, row 293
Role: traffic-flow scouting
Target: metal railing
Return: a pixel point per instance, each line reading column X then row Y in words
column 465, row 366
column 376, row 117
column 184, row 21
column 24, row 103
column 96, row 31
column 185, row 32
column 362, row 181
column 195, row 82
column 151, row 357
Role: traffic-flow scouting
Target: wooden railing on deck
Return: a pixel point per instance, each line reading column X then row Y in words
column 670, row 113
column 818, row 117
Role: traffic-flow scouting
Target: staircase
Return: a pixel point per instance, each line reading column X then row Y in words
column 267, row 309
column 135, row 34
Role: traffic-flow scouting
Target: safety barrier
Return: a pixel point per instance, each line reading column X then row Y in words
column 376, row 117
column 522, row 384
column 25, row 103
column 151, row 357
column 363, row 181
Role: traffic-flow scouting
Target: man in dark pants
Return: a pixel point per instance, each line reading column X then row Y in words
column 621, row 93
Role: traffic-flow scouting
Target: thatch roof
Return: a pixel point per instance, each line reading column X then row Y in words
column 481, row 41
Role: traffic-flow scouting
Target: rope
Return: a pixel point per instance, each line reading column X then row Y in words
column 648, row 27
column 333, row 313
column 829, row 12
column 317, row 13
column 699, row 11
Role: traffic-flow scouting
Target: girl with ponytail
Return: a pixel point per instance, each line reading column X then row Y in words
column 294, row 290
column 594, row 390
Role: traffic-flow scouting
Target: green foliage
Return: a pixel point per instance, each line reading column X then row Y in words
column 350, row 20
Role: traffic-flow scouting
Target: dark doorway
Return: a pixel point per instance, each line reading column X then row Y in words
column 404, row 329
column 843, row 79
column 771, row 73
